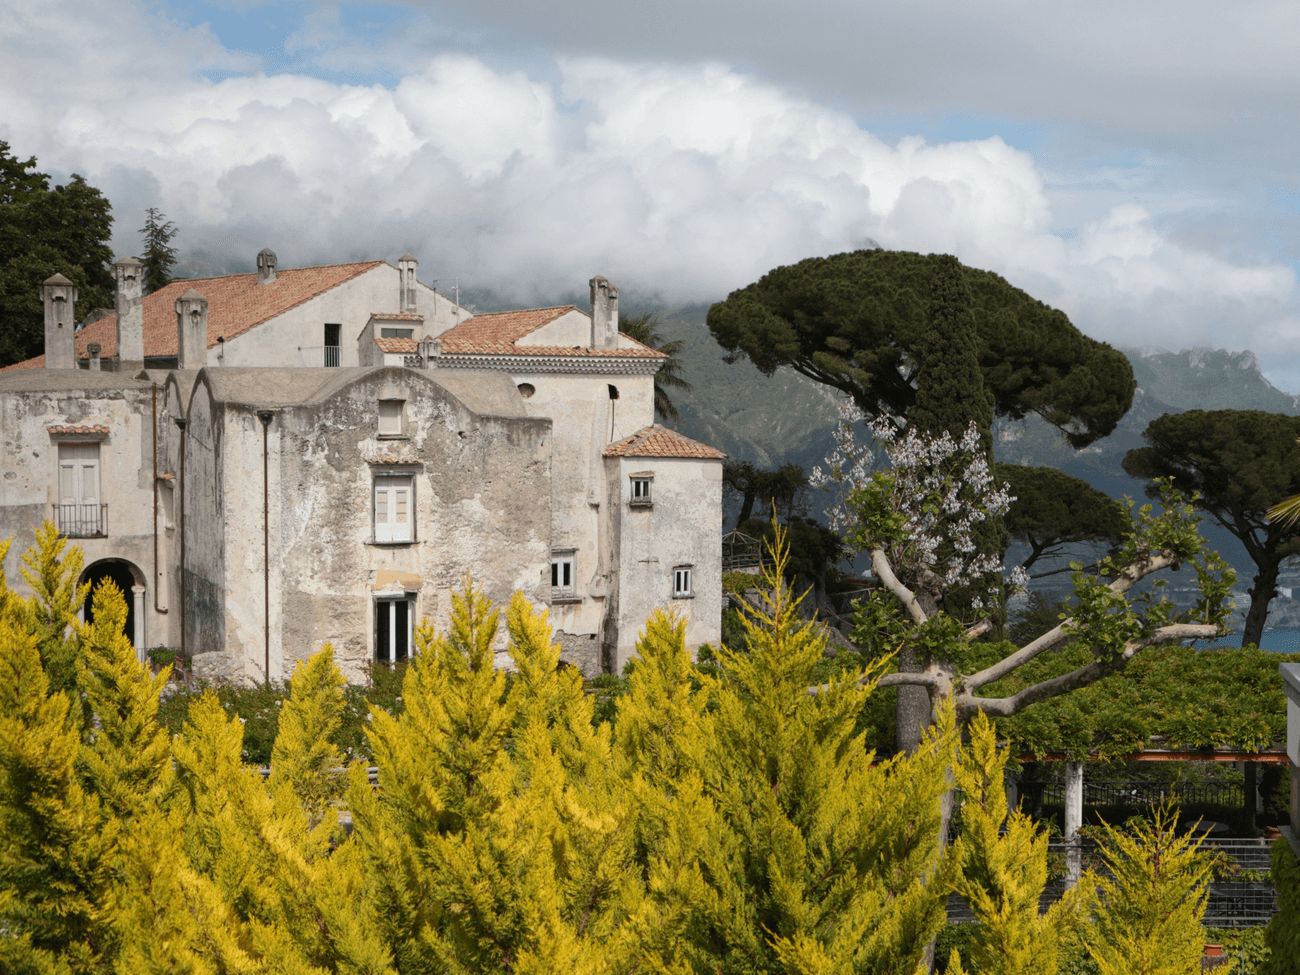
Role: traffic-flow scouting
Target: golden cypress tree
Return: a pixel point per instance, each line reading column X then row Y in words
column 51, row 612
column 1003, row 857
column 815, row 864
column 1148, row 918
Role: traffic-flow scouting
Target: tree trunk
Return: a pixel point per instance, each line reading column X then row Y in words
column 1262, row 592
column 913, row 711
column 746, row 507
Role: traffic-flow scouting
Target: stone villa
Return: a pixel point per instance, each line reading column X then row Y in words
column 266, row 462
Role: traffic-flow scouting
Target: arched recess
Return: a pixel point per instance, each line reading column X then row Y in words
column 127, row 577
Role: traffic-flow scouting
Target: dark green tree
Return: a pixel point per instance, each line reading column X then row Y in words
column 860, row 322
column 1053, row 509
column 1241, row 463
column 951, row 393
column 645, row 329
column 158, row 256
column 783, row 491
column 43, row 231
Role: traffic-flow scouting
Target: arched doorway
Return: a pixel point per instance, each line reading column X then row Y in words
column 126, row 577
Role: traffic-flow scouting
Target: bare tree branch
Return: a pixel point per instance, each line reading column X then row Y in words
column 1004, row 707
column 1126, row 580
column 885, row 573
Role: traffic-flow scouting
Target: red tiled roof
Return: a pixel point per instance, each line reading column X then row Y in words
column 96, row 429
column 496, row 334
column 657, row 441
column 236, row 303
column 397, row 345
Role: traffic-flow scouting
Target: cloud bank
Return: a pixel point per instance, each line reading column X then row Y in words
column 679, row 182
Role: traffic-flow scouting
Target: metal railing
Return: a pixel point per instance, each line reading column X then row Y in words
column 319, row 355
column 81, row 520
column 1233, row 902
column 1136, row 795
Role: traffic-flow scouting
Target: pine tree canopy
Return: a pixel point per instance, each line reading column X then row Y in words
column 158, row 256
column 1238, row 464
column 43, row 232
column 860, row 322
column 1053, row 509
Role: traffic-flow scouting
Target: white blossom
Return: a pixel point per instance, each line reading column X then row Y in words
column 942, row 489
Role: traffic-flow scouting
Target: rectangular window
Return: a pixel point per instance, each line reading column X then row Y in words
column 641, row 489
column 390, row 417
column 395, row 508
column 394, row 625
column 396, row 333
column 562, row 576
column 682, row 582
column 79, row 513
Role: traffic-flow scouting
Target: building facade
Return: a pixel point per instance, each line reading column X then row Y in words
column 266, row 463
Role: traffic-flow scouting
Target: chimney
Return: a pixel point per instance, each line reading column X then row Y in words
column 604, row 314
column 192, row 330
column 406, row 303
column 95, row 364
column 130, row 310
column 266, row 266
column 60, row 297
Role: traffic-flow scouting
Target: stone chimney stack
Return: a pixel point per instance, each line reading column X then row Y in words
column 95, row 364
column 60, row 297
column 406, row 267
column 192, row 330
column 266, row 266
column 604, row 314
column 130, row 310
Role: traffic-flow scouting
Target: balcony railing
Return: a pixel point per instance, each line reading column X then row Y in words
column 81, row 520
column 319, row 355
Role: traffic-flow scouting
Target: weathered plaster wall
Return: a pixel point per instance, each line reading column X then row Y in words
column 482, row 506
column 295, row 338
column 681, row 527
column 585, row 421
column 29, row 456
column 203, row 575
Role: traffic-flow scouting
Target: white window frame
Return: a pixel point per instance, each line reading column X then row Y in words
column 386, row 617
column 564, row 575
column 641, row 494
column 392, row 417
column 385, row 508
column 683, row 582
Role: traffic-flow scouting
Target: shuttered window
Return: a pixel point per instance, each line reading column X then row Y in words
column 394, row 509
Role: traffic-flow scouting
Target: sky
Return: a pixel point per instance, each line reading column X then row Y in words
column 1132, row 164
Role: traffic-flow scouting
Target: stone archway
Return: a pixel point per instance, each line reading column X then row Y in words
column 130, row 580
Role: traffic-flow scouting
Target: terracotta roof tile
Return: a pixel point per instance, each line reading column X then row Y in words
column 96, row 429
column 496, row 334
column 402, row 316
column 398, row 345
column 658, row 441
column 236, row 303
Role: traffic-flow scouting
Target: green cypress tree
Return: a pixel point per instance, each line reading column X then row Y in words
column 1283, row 933
column 159, row 257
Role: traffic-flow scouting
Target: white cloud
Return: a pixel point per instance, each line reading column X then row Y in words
column 676, row 181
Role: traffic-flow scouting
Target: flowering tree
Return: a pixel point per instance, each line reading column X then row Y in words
column 917, row 522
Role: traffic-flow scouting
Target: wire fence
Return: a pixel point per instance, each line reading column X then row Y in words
column 1241, row 897
column 1137, row 795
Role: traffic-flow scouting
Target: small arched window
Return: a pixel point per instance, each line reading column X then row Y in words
column 526, row 390
column 613, row 391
